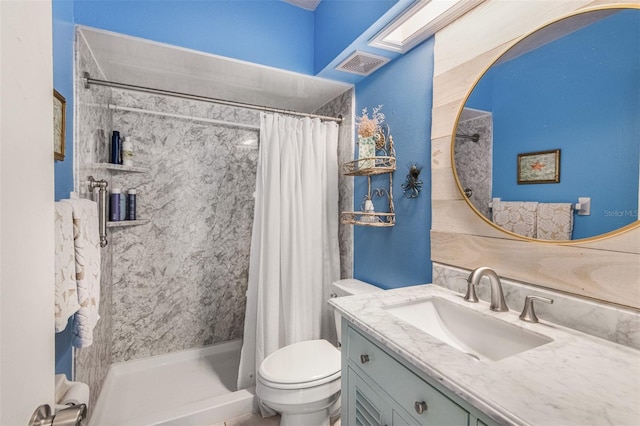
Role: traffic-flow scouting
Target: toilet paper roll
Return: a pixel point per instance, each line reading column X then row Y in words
column 70, row 393
column 62, row 385
column 78, row 393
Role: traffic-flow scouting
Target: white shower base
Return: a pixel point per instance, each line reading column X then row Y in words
column 192, row 387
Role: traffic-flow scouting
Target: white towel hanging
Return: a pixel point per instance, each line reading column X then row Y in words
column 87, row 269
column 555, row 221
column 518, row 217
column 66, row 289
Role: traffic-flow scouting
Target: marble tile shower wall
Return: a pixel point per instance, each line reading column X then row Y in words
column 179, row 282
column 474, row 160
column 93, row 122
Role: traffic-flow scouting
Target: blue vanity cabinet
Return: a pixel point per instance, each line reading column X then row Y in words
column 370, row 406
column 378, row 389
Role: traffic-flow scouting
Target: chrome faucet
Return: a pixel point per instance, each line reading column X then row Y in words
column 528, row 314
column 498, row 303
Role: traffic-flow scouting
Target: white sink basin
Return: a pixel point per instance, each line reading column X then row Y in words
column 479, row 335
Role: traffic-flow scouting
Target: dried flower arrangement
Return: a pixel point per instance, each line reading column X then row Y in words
column 368, row 127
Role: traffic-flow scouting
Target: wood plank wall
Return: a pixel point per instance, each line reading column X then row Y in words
column 607, row 269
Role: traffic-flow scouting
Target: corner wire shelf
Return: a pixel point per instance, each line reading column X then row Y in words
column 369, row 167
column 368, row 219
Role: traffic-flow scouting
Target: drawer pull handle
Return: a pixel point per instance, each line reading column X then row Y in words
column 420, row 407
column 364, row 359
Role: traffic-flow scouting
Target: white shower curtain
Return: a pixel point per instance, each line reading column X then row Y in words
column 294, row 242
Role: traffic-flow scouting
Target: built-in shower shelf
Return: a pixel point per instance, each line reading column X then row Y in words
column 123, row 223
column 121, row 168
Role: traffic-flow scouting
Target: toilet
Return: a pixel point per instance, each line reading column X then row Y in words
column 302, row 381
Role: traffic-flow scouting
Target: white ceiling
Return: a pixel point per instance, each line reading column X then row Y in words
column 305, row 4
column 140, row 62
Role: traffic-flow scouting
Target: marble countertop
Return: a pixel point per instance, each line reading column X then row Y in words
column 576, row 379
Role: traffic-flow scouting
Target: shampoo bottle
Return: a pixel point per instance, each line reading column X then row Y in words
column 131, row 204
column 116, row 148
column 127, row 152
column 123, row 206
column 114, row 204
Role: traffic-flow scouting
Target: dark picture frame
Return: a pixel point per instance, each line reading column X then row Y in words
column 59, row 125
column 539, row 167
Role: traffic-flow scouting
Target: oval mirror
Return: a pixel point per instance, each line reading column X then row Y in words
column 556, row 119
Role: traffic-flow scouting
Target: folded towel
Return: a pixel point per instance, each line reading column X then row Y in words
column 555, row 221
column 87, row 265
column 518, row 217
column 66, row 291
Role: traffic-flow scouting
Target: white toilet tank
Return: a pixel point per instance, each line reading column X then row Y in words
column 348, row 287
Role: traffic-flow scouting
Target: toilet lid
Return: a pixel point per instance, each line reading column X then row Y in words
column 301, row 362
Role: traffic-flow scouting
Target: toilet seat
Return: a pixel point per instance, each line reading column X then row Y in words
column 301, row 365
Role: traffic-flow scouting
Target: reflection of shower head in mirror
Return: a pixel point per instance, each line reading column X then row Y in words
column 474, row 138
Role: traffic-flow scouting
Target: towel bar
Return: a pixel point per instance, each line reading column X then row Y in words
column 582, row 207
column 102, row 207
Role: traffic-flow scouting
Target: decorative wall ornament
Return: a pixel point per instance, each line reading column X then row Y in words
column 412, row 185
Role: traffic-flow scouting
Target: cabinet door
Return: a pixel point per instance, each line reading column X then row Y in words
column 369, row 406
column 404, row 389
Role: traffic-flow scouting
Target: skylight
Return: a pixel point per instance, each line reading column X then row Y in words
column 420, row 22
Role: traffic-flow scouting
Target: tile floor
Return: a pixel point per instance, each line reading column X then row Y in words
column 256, row 419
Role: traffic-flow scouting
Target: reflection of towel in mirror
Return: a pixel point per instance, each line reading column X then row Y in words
column 66, row 291
column 555, row 221
column 87, row 269
column 518, row 217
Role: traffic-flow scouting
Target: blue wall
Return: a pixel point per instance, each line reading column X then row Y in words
column 267, row 32
column 573, row 103
column 340, row 22
column 63, row 36
column 271, row 33
column 401, row 255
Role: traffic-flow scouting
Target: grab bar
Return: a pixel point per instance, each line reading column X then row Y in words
column 102, row 207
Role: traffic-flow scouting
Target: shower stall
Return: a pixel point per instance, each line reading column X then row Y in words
column 166, row 348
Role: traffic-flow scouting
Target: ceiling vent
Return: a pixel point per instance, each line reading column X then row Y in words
column 362, row 63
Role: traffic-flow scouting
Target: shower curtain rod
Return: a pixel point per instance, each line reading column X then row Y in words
column 88, row 81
